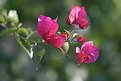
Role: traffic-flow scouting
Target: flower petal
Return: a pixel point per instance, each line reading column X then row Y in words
column 89, row 43
column 74, row 13
column 46, row 26
column 93, row 55
column 55, row 40
column 78, row 50
column 88, row 53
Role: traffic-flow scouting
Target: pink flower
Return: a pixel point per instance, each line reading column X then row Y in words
column 81, row 39
column 55, row 40
column 78, row 16
column 46, row 26
column 88, row 53
column 83, row 23
column 64, row 35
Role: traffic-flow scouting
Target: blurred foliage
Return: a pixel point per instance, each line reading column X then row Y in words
column 104, row 30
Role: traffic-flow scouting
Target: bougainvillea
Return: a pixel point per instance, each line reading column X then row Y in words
column 78, row 16
column 88, row 53
column 47, row 28
column 81, row 39
column 47, row 33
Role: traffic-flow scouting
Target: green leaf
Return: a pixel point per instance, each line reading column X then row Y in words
column 23, row 32
column 34, row 37
column 3, row 13
column 2, row 19
column 8, row 31
column 38, row 51
column 32, row 49
column 30, row 31
column 13, row 16
column 26, row 45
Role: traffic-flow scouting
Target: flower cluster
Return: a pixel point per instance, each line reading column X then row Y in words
column 47, row 29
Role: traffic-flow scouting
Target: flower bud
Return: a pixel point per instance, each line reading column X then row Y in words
column 64, row 35
column 81, row 39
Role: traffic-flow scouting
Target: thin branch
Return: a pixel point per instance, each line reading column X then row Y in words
column 67, row 54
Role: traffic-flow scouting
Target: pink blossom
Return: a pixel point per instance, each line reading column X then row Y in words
column 83, row 23
column 88, row 53
column 78, row 16
column 46, row 26
column 55, row 40
column 81, row 39
column 64, row 35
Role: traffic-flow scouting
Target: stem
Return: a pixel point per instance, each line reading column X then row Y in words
column 70, row 38
column 71, row 57
column 67, row 54
column 72, row 32
column 62, row 51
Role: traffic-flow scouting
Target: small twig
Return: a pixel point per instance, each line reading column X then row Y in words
column 67, row 54
column 71, row 57
column 62, row 51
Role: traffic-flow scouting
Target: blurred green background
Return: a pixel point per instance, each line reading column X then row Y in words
column 104, row 30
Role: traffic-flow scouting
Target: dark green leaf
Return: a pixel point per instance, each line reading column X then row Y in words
column 26, row 45
column 23, row 32
column 34, row 37
column 8, row 31
column 1, row 28
column 38, row 52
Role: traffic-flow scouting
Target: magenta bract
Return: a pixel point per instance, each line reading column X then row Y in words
column 81, row 39
column 78, row 16
column 87, row 54
column 55, row 40
column 46, row 26
column 64, row 35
